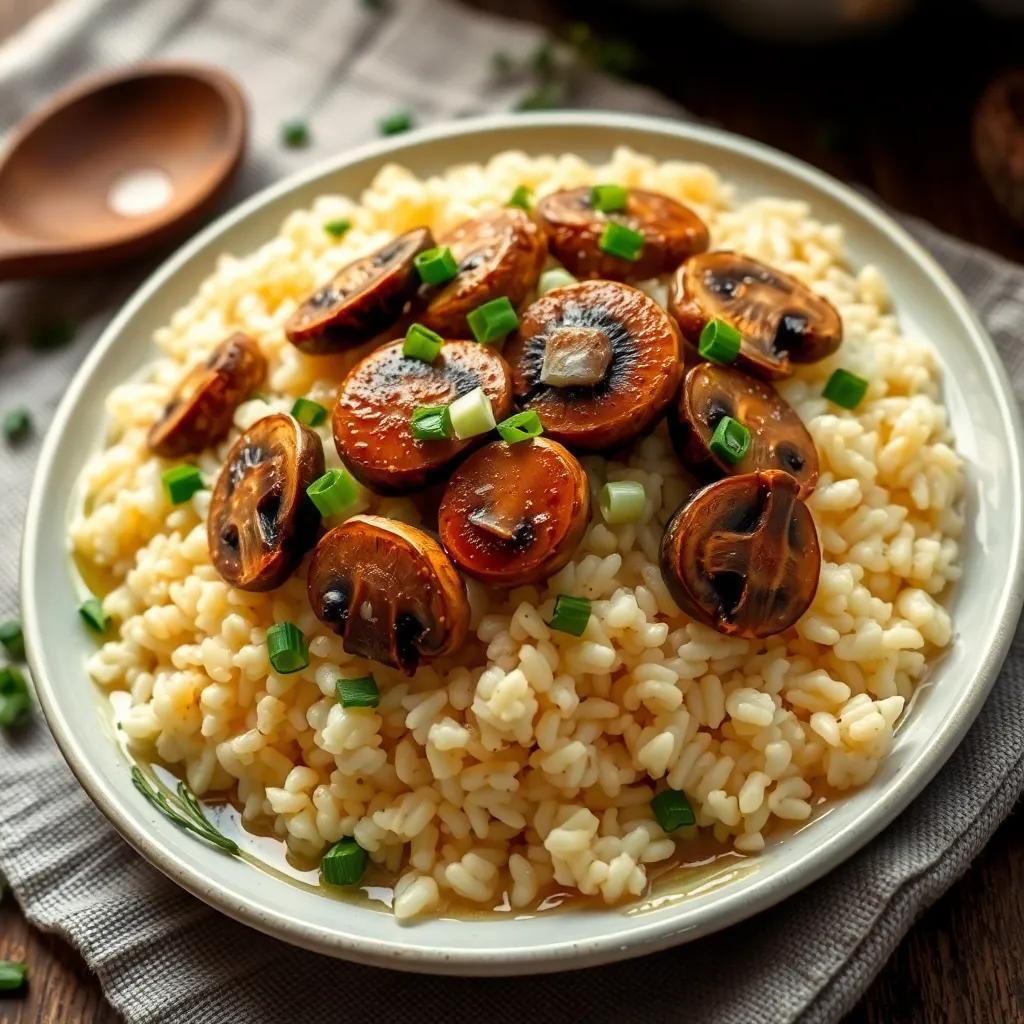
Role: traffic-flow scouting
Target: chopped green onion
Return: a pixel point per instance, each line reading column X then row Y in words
column 571, row 614
column 13, row 639
column 52, row 334
column 344, row 863
column 471, row 414
column 502, row 62
column 287, row 648
column 13, row 975
column 437, row 265
column 94, row 615
column 333, row 492
column 609, row 198
column 672, row 810
column 305, row 410
column 845, row 389
column 719, row 342
column 521, row 426
column 622, row 501
column 618, row 240
column 181, row 482
column 521, row 197
column 295, row 134
column 393, row 124
column 422, row 343
column 358, row 693
column 17, row 423
column 556, row 277
column 338, row 228
column 431, row 423
column 15, row 701
column 730, row 441
column 493, row 320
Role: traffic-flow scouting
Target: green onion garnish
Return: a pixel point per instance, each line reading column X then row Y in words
column 431, row 423
column 609, row 198
column 521, row 426
column 672, row 810
column 344, row 863
column 94, row 615
column 287, row 648
column 521, row 197
column 13, row 974
column 730, row 441
column 493, row 320
column 305, row 410
column 15, row 701
column 719, row 342
column 622, row 501
column 845, row 389
column 571, row 614
column 400, row 121
column 295, row 134
column 618, row 240
column 181, row 482
column 556, row 277
column 422, row 343
column 471, row 414
column 333, row 492
column 13, row 639
column 435, row 266
column 17, row 423
column 358, row 693
column 338, row 228
column 52, row 334
column 186, row 812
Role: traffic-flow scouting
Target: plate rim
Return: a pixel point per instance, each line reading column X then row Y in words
column 760, row 894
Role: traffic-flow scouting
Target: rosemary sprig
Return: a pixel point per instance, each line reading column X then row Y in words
column 187, row 813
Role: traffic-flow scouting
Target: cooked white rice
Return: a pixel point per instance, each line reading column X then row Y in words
column 530, row 759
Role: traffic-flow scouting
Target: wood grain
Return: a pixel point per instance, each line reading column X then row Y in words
column 892, row 113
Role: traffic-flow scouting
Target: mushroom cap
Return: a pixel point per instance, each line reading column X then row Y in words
column 780, row 320
column 261, row 520
column 375, row 404
column 778, row 437
column 640, row 380
column 364, row 298
column 202, row 408
column 389, row 590
column 500, row 253
column 741, row 556
column 515, row 513
column 671, row 231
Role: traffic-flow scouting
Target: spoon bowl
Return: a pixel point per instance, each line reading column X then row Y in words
column 116, row 165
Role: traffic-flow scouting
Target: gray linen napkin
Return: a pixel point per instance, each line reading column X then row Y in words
column 163, row 956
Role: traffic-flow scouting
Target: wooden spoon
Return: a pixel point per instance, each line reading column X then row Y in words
column 115, row 165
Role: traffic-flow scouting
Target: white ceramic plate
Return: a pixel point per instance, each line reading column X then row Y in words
column 985, row 604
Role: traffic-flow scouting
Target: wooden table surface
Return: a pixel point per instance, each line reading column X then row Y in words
column 893, row 113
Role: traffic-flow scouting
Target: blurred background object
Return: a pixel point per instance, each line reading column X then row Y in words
column 999, row 140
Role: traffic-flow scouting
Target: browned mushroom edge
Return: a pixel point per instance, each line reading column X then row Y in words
column 499, row 254
column 261, row 521
column 375, row 404
column 641, row 373
column 742, row 556
column 363, row 299
column 389, row 591
column 780, row 320
column 515, row 513
column 202, row 408
column 671, row 231
column 778, row 437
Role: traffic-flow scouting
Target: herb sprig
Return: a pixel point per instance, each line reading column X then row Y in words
column 186, row 813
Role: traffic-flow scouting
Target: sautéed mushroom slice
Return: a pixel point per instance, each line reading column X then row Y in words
column 741, row 556
column 389, row 590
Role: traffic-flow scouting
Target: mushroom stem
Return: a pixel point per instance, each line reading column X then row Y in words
column 575, row 357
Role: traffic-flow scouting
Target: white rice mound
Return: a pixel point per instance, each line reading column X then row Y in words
column 529, row 760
